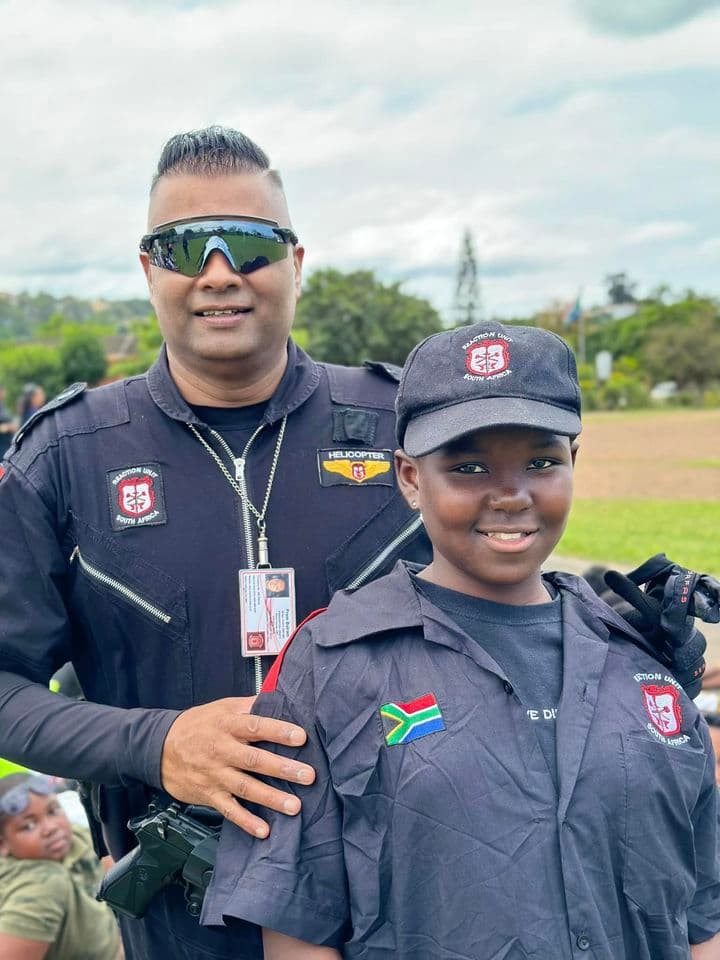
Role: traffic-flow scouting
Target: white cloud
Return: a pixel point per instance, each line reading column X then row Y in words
column 658, row 230
column 648, row 16
column 396, row 125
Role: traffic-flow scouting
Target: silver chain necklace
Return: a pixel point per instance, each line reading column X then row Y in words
column 238, row 481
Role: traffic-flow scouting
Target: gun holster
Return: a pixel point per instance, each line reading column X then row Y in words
column 88, row 797
column 175, row 845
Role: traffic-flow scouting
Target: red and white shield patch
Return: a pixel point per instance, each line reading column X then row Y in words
column 663, row 707
column 487, row 358
column 135, row 496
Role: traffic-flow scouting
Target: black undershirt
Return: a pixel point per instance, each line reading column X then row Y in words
column 231, row 418
column 525, row 642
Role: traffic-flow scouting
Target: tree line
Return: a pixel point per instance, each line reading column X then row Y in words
column 349, row 317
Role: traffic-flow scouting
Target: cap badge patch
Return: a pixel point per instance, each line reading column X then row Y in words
column 661, row 696
column 355, row 467
column 404, row 722
column 662, row 704
column 487, row 358
column 136, row 497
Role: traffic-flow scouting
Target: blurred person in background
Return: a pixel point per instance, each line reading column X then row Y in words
column 49, row 875
column 8, row 424
column 31, row 400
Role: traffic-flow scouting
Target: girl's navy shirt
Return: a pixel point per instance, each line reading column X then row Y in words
column 454, row 841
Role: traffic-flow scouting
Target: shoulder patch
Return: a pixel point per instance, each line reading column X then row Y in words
column 391, row 371
column 271, row 680
column 63, row 398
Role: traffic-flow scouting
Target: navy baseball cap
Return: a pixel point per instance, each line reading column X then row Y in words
column 486, row 375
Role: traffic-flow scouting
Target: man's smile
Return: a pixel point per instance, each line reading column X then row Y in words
column 223, row 317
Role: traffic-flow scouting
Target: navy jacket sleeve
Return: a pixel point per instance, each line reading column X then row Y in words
column 43, row 730
column 704, row 912
column 294, row 881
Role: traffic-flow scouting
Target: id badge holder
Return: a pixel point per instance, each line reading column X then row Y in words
column 267, row 610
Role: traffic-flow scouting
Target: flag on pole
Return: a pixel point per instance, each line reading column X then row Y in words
column 574, row 313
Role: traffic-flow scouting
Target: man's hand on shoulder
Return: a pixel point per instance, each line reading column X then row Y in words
column 209, row 757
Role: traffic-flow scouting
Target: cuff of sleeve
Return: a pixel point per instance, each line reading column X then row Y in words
column 701, row 932
column 703, row 923
column 146, row 735
column 266, row 904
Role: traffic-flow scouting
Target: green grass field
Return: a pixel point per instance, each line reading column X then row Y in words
column 647, row 482
column 626, row 532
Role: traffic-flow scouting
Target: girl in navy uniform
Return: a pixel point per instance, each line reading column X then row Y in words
column 501, row 774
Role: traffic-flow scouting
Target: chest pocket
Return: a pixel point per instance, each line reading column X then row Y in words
column 662, row 788
column 132, row 620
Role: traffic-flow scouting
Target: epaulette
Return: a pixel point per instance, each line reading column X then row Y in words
column 63, row 398
column 390, row 370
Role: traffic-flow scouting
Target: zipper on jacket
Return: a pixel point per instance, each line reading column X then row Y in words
column 369, row 569
column 119, row 587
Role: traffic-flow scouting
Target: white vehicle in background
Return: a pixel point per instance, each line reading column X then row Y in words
column 665, row 390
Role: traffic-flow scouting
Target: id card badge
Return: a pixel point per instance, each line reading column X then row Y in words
column 267, row 610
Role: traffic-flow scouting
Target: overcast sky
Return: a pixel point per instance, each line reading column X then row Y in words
column 573, row 137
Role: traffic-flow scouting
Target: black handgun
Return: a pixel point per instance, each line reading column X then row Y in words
column 175, row 845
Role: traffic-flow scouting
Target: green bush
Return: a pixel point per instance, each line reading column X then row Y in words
column 30, row 363
column 623, row 391
column 711, row 397
column 129, row 368
column 82, row 357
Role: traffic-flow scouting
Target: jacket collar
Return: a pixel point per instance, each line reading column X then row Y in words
column 596, row 607
column 298, row 382
column 392, row 603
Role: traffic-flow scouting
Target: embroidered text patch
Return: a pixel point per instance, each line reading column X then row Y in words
column 137, row 498
column 356, row 467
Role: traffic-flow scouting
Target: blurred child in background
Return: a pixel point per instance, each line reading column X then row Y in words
column 48, row 878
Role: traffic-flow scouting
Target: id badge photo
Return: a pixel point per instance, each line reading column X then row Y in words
column 267, row 610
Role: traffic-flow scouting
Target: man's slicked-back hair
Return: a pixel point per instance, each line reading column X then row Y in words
column 213, row 151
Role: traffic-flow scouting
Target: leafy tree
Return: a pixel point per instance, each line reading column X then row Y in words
column 21, row 314
column 621, row 289
column 672, row 341
column 82, row 357
column 148, row 333
column 688, row 355
column 467, row 286
column 348, row 317
column 52, row 327
column 57, row 327
column 30, row 363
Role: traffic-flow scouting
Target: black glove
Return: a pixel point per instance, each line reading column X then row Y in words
column 663, row 613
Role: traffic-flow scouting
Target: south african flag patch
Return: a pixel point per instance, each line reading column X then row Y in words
column 403, row 722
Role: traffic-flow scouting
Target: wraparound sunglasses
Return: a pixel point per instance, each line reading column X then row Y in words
column 248, row 243
column 16, row 801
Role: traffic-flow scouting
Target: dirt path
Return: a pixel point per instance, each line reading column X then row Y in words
column 671, row 455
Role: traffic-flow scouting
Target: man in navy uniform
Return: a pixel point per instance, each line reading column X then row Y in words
column 129, row 511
